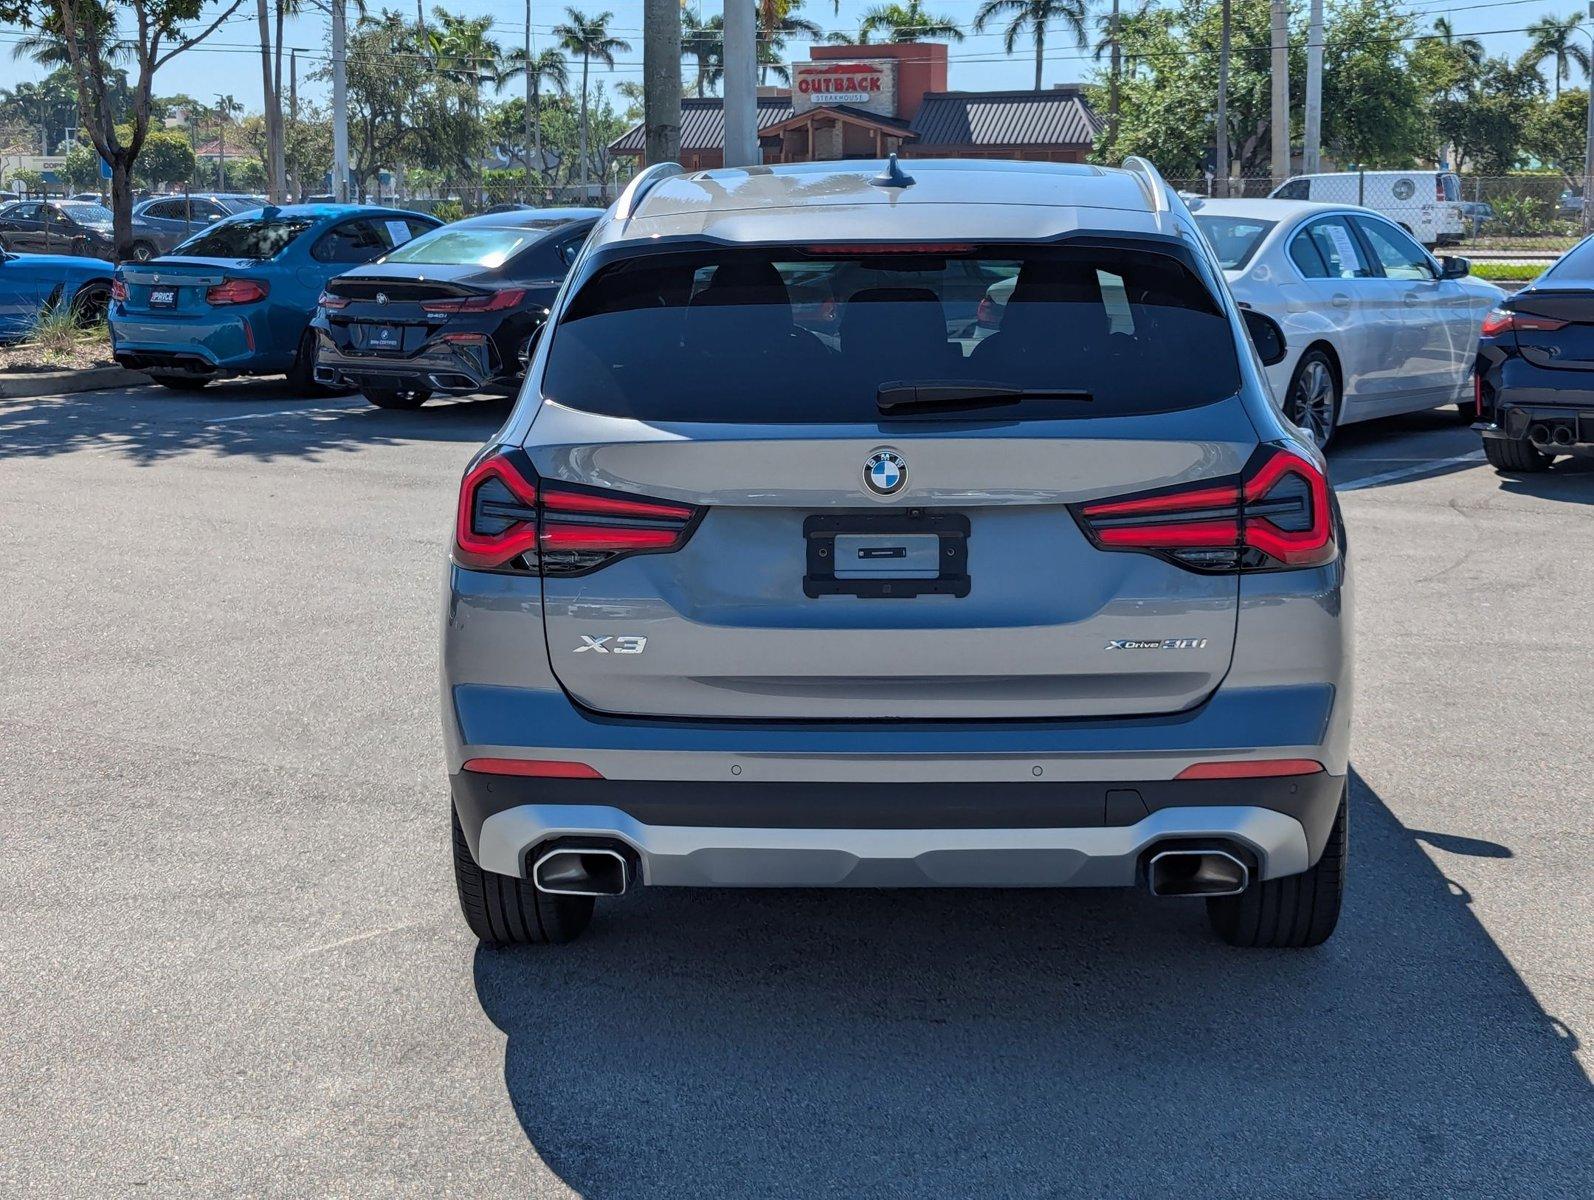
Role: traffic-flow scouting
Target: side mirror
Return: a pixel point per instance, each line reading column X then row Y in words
column 1453, row 266
column 1266, row 336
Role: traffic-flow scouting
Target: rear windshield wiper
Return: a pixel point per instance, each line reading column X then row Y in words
column 958, row 393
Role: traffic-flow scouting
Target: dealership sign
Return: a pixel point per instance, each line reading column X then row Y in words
column 870, row 85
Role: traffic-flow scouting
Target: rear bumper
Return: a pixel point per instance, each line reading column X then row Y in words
column 731, row 834
column 443, row 367
column 204, row 346
column 1566, row 428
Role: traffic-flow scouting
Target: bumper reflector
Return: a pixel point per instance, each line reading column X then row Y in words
column 541, row 768
column 1263, row 769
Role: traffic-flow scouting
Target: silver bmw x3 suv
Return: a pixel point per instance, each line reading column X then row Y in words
column 785, row 572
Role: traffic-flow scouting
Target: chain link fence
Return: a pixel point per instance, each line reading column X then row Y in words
column 1515, row 216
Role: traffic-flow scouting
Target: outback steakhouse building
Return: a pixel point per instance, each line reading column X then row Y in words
column 868, row 101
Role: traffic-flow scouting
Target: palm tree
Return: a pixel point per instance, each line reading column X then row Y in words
column 1553, row 37
column 547, row 66
column 1033, row 15
column 588, row 37
column 703, row 41
column 777, row 19
column 1469, row 47
column 909, row 23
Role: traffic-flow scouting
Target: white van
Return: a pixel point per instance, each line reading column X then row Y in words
column 1426, row 203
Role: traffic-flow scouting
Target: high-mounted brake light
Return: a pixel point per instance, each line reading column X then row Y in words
column 237, row 291
column 892, row 248
column 510, row 520
column 1276, row 515
column 1505, row 320
column 487, row 302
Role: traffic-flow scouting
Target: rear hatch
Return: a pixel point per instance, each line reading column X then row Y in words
column 922, row 562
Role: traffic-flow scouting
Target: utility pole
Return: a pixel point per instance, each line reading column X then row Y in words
column 1112, row 80
column 1279, row 115
column 340, row 102
column 221, row 141
column 741, row 84
column 661, row 79
column 1588, row 146
column 1312, row 150
column 1220, row 167
column 272, row 104
column 531, row 115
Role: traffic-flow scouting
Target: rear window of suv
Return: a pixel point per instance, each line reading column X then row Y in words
column 810, row 334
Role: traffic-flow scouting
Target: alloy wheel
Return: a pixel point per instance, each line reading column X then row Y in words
column 1312, row 401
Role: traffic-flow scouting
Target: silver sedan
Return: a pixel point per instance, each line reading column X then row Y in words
column 1375, row 324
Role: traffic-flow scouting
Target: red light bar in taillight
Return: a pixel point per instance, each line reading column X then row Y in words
column 537, row 768
column 1276, row 515
column 328, row 300
column 237, row 291
column 1267, row 768
column 510, row 520
column 118, row 290
column 486, row 302
column 1504, row 320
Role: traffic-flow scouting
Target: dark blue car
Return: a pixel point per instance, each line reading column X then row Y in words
column 237, row 298
column 1535, row 372
column 34, row 283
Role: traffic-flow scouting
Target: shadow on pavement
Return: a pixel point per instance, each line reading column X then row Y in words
column 1570, row 479
column 260, row 419
column 1039, row 1043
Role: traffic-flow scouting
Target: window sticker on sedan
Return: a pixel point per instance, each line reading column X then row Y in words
column 1343, row 246
column 399, row 231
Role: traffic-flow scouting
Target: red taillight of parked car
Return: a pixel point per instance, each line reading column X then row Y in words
column 509, row 520
column 236, row 291
column 118, row 290
column 1504, row 320
column 486, row 302
column 1275, row 516
column 328, row 300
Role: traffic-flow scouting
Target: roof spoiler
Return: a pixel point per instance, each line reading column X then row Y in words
column 1151, row 181
column 643, row 183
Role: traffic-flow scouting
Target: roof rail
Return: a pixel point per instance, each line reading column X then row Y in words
column 641, row 185
column 1156, row 188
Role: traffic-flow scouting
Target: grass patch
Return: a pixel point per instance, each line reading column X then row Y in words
column 1509, row 272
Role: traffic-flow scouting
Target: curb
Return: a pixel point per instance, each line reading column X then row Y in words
column 61, row 383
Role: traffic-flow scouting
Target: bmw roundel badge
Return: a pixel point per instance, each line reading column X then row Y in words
column 885, row 473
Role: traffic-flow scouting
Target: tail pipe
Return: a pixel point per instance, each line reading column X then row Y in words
column 1196, row 870
column 1539, row 435
column 588, row 868
column 1563, row 435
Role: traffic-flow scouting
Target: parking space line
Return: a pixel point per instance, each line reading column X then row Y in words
column 285, row 412
column 1422, row 468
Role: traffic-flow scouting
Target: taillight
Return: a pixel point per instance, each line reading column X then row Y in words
column 1275, row 516
column 236, row 291
column 118, row 290
column 508, row 519
column 486, row 302
column 1504, row 320
column 328, row 300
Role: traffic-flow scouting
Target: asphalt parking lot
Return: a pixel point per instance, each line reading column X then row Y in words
column 233, row 962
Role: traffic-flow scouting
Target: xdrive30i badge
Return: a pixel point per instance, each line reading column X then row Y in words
column 1157, row 644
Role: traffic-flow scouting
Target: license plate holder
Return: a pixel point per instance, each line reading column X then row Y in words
column 163, row 298
column 919, row 552
column 383, row 337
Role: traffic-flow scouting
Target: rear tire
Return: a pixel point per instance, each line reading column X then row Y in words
column 504, row 911
column 90, row 304
column 1292, row 912
column 181, row 383
column 1516, row 457
column 1313, row 399
column 301, row 376
column 396, row 398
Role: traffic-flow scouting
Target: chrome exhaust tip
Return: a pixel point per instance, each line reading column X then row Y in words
column 583, row 871
column 1196, row 872
column 1539, row 435
column 1562, row 435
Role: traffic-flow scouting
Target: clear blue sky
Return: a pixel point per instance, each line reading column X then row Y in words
column 228, row 62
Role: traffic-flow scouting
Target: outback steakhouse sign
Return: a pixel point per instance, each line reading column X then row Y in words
column 868, row 85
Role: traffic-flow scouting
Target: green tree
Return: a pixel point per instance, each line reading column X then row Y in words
column 776, row 21
column 1373, row 106
column 1485, row 116
column 704, row 43
column 1554, row 134
column 167, row 158
column 588, row 38
column 547, row 66
column 82, row 168
column 160, row 30
column 1033, row 16
column 910, row 23
column 1557, row 38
